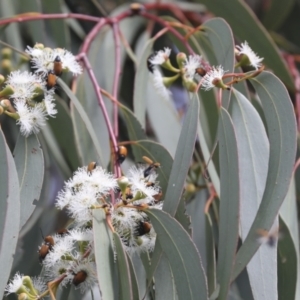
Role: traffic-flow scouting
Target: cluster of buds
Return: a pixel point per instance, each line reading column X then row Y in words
column 29, row 97
column 193, row 66
column 68, row 257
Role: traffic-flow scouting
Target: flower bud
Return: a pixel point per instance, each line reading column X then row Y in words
column 2, row 78
column 6, row 53
column 6, row 104
column 190, row 85
column 6, row 65
column 181, row 59
column 23, row 296
column 7, row 91
column 123, row 183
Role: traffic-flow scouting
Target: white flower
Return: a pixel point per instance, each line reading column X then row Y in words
column 139, row 184
column 81, row 235
column 15, row 284
column 39, row 284
column 254, row 59
column 84, row 274
column 31, row 119
column 208, row 82
column 24, row 84
column 192, row 63
column 61, row 249
column 60, row 268
column 160, row 56
column 158, row 83
column 50, row 105
column 43, row 60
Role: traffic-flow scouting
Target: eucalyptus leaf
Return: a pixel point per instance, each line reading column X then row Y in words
column 288, row 266
column 126, row 282
column 84, row 117
column 277, row 109
column 9, row 212
column 182, row 158
column 184, row 259
column 104, row 254
column 29, row 160
column 229, row 202
column 253, row 150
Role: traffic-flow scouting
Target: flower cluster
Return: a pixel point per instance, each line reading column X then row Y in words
column 31, row 95
column 68, row 257
column 194, row 65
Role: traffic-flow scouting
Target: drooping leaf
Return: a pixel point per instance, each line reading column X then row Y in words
column 229, row 202
column 277, row 109
column 253, row 150
column 164, row 281
column 182, row 158
column 288, row 264
column 9, row 212
column 184, row 259
column 29, row 161
column 106, row 268
column 126, row 285
column 84, row 117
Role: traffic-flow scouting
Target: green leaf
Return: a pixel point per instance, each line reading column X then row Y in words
column 126, row 291
column 85, row 118
column 182, row 217
column 156, row 153
column 210, row 255
column 164, row 282
column 133, row 276
column 275, row 6
column 104, row 254
column 288, row 215
column 66, row 141
column 207, row 128
column 246, row 26
column 141, row 82
column 281, row 127
column 58, row 28
column 288, row 264
column 182, row 254
column 29, row 160
column 182, row 158
column 229, row 202
column 253, row 154
column 9, row 212
column 134, row 129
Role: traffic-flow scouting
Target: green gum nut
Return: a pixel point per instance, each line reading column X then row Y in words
column 7, row 91
column 190, row 85
column 181, row 59
column 6, row 53
column 123, row 183
column 2, row 78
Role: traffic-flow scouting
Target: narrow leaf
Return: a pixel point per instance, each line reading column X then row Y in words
column 287, row 264
column 104, row 254
column 9, row 212
column 281, row 127
column 253, row 149
column 29, row 161
column 182, row 254
column 83, row 115
column 124, row 270
column 182, row 158
column 229, row 202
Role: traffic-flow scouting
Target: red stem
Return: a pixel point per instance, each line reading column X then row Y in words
column 171, row 29
column 117, row 75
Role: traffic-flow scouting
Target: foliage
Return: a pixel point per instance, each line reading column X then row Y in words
column 179, row 136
